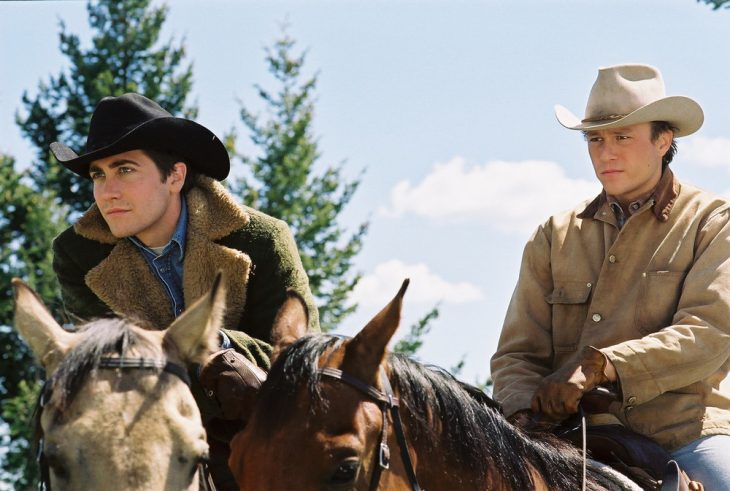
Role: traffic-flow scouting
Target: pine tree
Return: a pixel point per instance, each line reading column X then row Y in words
column 29, row 220
column 284, row 183
column 125, row 56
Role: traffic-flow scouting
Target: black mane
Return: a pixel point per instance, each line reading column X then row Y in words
column 471, row 428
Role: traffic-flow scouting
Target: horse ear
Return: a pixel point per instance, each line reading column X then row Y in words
column 46, row 338
column 366, row 350
column 195, row 332
column 290, row 323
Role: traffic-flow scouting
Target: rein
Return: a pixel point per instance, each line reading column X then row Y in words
column 388, row 402
column 123, row 363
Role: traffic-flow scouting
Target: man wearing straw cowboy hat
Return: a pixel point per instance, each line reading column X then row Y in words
column 161, row 228
column 631, row 288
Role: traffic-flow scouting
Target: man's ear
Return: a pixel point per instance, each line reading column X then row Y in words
column 177, row 176
column 664, row 141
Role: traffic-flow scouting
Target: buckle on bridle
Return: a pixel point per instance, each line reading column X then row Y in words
column 384, row 455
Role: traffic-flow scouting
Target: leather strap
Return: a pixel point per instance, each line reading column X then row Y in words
column 387, row 401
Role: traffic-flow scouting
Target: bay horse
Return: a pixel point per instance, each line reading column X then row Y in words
column 116, row 410
column 327, row 419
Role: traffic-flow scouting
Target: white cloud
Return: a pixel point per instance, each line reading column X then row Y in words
column 706, row 152
column 514, row 196
column 377, row 288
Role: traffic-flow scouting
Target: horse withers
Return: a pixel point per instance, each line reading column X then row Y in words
column 116, row 410
column 343, row 414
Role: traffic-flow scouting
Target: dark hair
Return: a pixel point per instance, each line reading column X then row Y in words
column 659, row 127
column 165, row 162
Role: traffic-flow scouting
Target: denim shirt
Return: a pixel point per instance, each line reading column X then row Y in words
column 168, row 266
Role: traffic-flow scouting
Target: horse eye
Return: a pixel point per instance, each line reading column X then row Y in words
column 345, row 472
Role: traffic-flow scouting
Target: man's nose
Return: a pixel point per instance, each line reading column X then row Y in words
column 108, row 189
column 608, row 150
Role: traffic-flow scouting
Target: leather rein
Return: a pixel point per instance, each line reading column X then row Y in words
column 387, row 402
column 124, row 363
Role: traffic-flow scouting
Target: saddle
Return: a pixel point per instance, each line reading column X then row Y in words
column 636, row 456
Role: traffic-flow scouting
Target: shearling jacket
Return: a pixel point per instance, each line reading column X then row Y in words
column 102, row 275
column 654, row 296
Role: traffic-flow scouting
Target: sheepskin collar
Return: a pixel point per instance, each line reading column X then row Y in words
column 125, row 282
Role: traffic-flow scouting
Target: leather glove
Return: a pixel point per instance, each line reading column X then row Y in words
column 559, row 394
column 232, row 382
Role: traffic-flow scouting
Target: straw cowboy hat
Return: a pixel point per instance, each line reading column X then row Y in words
column 131, row 122
column 630, row 94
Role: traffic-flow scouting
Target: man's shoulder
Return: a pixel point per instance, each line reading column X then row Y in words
column 261, row 229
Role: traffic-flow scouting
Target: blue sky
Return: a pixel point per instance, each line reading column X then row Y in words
column 447, row 105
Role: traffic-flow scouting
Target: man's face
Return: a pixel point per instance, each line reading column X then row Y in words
column 626, row 161
column 134, row 199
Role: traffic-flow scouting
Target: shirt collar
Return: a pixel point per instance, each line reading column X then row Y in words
column 664, row 195
column 178, row 236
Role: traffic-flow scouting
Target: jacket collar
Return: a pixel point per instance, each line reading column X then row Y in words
column 664, row 196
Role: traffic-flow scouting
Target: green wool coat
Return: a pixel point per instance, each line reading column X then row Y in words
column 101, row 275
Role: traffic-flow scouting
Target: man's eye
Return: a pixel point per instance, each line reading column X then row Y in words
column 96, row 175
column 125, row 170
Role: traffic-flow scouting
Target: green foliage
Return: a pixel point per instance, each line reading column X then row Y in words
column 716, row 4
column 125, row 56
column 19, row 464
column 283, row 183
column 29, row 220
column 412, row 342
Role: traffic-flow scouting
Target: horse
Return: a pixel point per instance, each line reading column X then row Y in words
column 332, row 409
column 116, row 411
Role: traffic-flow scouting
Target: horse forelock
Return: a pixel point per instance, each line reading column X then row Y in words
column 296, row 367
column 100, row 338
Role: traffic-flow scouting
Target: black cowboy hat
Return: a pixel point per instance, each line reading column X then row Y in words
column 131, row 122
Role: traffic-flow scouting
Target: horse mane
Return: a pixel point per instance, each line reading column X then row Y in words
column 103, row 337
column 459, row 419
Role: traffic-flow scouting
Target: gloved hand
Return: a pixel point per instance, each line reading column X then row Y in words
column 559, row 394
column 232, row 381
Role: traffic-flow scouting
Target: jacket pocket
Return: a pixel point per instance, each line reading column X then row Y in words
column 569, row 301
column 658, row 299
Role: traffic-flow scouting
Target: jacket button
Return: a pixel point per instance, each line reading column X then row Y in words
column 611, row 259
column 596, row 317
column 632, row 400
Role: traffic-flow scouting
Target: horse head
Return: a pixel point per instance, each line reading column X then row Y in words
column 116, row 410
column 331, row 442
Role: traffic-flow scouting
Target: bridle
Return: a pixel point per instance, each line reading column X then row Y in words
column 387, row 402
column 123, row 363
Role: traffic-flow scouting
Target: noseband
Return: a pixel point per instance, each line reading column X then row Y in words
column 123, row 363
column 387, row 402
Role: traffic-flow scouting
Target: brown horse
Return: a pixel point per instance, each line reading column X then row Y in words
column 117, row 413
column 327, row 419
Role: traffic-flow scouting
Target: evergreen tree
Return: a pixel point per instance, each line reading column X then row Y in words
column 125, row 56
column 29, row 220
column 716, row 4
column 284, row 183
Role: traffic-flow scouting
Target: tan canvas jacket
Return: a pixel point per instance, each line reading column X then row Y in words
column 653, row 296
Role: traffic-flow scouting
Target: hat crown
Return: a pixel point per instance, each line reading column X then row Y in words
column 619, row 90
column 115, row 117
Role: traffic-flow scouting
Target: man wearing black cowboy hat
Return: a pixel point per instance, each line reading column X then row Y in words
column 159, row 231
column 631, row 288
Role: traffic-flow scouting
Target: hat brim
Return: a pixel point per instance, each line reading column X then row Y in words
column 681, row 112
column 195, row 144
